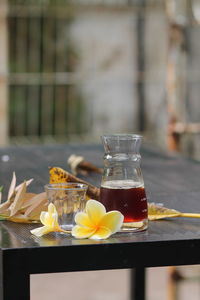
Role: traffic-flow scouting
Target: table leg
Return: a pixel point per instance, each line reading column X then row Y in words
column 137, row 284
column 14, row 285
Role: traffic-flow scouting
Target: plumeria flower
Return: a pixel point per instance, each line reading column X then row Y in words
column 95, row 223
column 50, row 221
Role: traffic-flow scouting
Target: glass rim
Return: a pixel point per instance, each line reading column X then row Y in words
column 123, row 136
column 73, row 186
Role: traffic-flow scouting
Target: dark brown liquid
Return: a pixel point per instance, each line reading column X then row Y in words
column 131, row 202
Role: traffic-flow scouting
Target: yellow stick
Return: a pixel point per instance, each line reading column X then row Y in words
column 189, row 215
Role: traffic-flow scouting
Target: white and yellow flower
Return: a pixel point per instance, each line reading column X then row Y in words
column 95, row 223
column 50, row 221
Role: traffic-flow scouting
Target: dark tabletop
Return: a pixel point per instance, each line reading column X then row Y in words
column 169, row 179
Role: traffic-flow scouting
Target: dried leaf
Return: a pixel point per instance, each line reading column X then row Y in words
column 4, row 208
column 58, row 175
column 28, row 201
column 5, row 205
column 19, row 218
column 18, row 201
column 40, row 203
column 158, row 211
column 27, row 184
column 12, row 187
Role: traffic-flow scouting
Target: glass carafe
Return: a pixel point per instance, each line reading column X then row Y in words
column 122, row 186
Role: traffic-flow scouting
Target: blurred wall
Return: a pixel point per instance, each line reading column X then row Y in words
column 106, row 44
column 107, row 47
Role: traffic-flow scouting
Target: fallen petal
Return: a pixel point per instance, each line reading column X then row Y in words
column 80, row 232
column 82, row 219
column 112, row 220
column 44, row 218
column 101, row 234
column 41, row 231
column 54, row 220
column 95, row 211
column 51, row 209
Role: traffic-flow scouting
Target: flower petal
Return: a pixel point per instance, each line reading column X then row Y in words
column 112, row 220
column 80, row 232
column 95, row 211
column 101, row 233
column 82, row 219
column 54, row 220
column 41, row 231
column 44, row 218
column 50, row 220
column 51, row 209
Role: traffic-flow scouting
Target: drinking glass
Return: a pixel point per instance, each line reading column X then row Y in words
column 68, row 198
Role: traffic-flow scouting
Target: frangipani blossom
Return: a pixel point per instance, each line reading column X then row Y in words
column 95, row 223
column 50, row 221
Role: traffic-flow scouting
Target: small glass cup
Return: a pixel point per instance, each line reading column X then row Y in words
column 68, row 198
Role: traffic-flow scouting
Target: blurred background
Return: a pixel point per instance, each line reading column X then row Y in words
column 71, row 70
